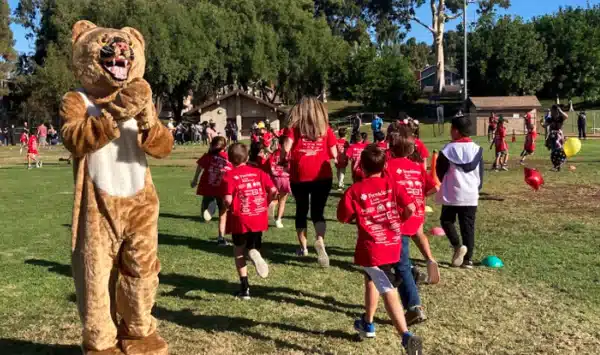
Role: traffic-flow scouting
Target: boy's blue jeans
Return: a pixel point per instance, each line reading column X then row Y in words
column 409, row 294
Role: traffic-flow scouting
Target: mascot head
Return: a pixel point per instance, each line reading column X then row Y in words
column 105, row 60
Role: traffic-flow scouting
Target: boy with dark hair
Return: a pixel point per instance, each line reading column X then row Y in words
column 379, row 206
column 248, row 192
column 353, row 153
column 460, row 169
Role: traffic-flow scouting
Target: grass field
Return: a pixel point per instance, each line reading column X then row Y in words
column 545, row 301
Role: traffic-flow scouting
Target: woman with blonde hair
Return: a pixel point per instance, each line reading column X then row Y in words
column 311, row 145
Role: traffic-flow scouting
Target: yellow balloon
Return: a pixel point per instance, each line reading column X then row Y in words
column 572, row 147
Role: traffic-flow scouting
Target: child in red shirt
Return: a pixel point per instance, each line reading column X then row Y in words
column 378, row 205
column 529, row 147
column 379, row 139
column 24, row 139
column 248, row 192
column 413, row 177
column 32, row 152
column 213, row 166
column 353, row 153
column 280, row 173
column 420, row 148
column 501, row 146
column 342, row 146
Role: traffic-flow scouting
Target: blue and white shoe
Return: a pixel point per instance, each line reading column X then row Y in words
column 364, row 329
column 412, row 344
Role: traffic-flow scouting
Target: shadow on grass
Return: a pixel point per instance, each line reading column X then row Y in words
column 243, row 326
column 52, row 266
column 23, row 347
column 277, row 253
column 196, row 218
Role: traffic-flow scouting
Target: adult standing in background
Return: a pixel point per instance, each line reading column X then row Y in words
column 42, row 134
column 492, row 123
column 376, row 125
column 310, row 144
column 11, row 134
column 356, row 122
column 581, row 124
column 545, row 122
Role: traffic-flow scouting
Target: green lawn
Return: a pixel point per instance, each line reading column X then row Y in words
column 545, row 301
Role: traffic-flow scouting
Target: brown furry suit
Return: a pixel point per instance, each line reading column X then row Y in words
column 109, row 126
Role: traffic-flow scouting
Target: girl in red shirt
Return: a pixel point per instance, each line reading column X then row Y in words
column 379, row 206
column 280, row 173
column 501, row 146
column 248, row 192
column 32, row 152
column 529, row 147
column 24, row 139
column 353, row 153
column 311, row 144
column 213, row 166
column 342, row 146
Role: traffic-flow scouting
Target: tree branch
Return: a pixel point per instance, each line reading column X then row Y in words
column 453, row 17
column 414, row 18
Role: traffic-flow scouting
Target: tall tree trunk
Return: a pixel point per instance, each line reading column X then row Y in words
column 440, row 78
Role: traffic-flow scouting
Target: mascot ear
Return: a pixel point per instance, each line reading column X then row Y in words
column 135, row 33
column 79, row 28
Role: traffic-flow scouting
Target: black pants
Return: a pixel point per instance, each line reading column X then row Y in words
column 250, row 240
column 466, row 221
column 207, row 200
column 313, row 194
column 581, row 129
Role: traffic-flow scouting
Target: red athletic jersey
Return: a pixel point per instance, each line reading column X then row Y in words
column 414, row 178
column 266, row 139
column 342, row 146
column 383, row 145
column 376, row 203
column 249, row 188
column 530, row 141
column 213, row 167
column 23, row 138
column 32, row 145
column 309, row 160
column 353, row 153
column 500, row 139
column 421, row 149
column 276, row 169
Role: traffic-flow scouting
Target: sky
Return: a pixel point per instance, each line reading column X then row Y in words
column 524, row 8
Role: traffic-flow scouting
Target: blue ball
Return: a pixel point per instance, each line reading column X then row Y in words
column 492, row 261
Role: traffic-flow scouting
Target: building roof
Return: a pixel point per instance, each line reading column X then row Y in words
column 448, row 89
column 505, row 102
column 454, row 71
column 198, row 109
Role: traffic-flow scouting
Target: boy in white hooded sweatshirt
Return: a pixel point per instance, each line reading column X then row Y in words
column 460, row 169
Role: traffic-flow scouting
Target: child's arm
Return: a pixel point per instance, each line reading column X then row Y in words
column 272, row 194
column 345, row 210
column 227, row 200
column 194, row 182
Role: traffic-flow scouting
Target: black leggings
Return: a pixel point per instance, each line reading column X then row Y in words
column 313, row 194
column 466, row 221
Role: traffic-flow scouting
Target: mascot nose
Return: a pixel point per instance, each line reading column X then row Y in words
column 123, row 46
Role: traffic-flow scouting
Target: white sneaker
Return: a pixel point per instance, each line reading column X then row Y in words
column 262, row 269
column 207, row 216
column 278, row 223
column 322, row 256
column 459, row 256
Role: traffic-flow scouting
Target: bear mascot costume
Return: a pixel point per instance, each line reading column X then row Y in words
column 109, row 125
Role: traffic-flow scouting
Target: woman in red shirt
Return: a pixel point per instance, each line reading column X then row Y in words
column 213, row 166
column 311, row 144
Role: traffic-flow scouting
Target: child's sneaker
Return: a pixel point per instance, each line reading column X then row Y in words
column 322, row 256
column 467, row 264
column 302, row 252
column 505, row 168
column 278, row 223
column 222, row 242
column 412, row 344
column 41, row 164
column 262, row 269
column 243, row 294
column 418, row 276
column 415, row 315
column 459, row 256
column 364, row 329
column 206, row 215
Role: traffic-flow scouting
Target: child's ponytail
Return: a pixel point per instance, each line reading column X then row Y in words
column 217, row 145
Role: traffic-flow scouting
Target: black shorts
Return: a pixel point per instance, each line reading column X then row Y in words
column 390, row 273
column 251, row 240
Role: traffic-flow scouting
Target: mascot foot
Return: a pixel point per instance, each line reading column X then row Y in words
column 153, row 344
column 111, row 351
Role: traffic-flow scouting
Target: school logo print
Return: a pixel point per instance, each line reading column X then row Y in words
column 363, row 197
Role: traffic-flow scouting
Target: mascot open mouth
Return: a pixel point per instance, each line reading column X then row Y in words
column 116, row 58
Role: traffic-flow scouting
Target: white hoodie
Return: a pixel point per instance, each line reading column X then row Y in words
column 460, row 168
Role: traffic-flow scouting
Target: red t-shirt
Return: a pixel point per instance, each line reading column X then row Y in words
column 353, row 153
column 214, row 167
column 249, row 188
column 266, row 139
column 493, row 121
column 32, row 145
column 421, row 149
column 254, row 138
column 383, row 145
column 530, row 141
column 414, row 178
column 309, row 160
column 276, row 169
column 24, row 138
column 342, row 146
column 500, row 139
column 377, row 204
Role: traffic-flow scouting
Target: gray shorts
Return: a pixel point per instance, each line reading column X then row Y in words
column 381, row 278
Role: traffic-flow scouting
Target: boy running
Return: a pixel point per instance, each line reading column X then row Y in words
column 378, row 206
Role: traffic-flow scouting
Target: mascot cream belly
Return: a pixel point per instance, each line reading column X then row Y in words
column 110, row 124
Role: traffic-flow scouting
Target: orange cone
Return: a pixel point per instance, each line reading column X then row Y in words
column 434, row 157
column 514, row 137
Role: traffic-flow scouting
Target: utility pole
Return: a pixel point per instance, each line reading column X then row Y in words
column 465, row 92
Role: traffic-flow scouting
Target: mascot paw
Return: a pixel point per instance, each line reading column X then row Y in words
column 111, row 351
column 153, row 344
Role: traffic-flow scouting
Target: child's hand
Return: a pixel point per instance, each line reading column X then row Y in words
column 193, row 184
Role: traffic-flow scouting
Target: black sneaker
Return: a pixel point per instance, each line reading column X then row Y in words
column 222, row 242
column 418, row 276
column 467, row 264
column 243, row 294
